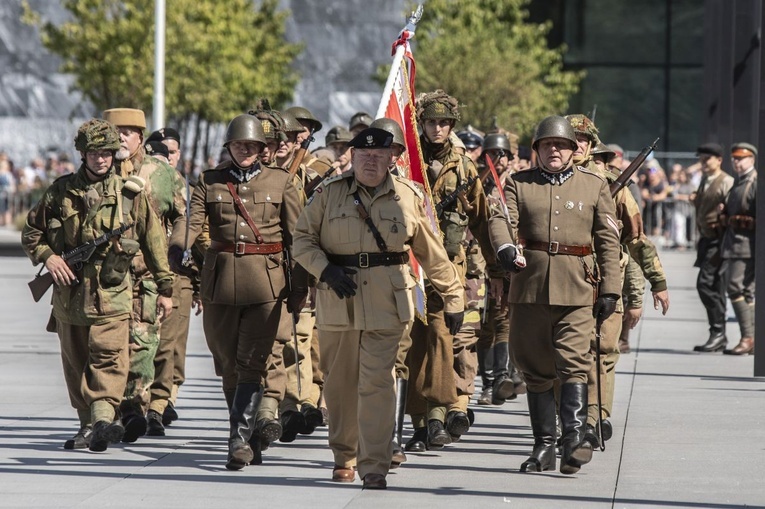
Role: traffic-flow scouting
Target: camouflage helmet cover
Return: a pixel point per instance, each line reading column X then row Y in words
column 97, row 134
column 244, row 127
column 437, row 105
column 390, row 125
column 583, row 125
column 554, row 126
column 271, row 121
column 305, row 114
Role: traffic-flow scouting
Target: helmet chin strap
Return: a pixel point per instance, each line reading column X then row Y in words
column 584, row 157
column 95, row 176
column 233, row 160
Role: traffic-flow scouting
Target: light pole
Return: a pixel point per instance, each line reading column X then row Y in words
column 158, row 115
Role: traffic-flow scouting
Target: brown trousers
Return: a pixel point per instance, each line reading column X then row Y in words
column 241, row 338
column 309, row 392
column 95, row 360
column 550, row 343
column 361, row 396
column 609, row 356
column 170, row 359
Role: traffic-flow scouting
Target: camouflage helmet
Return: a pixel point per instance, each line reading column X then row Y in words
column 305, row 115
column 97, row 134
column 338, row 134
column 291, row 124
column 360, row 118
column 497, row 141
column 437, row 105
column 554, row 127
column 390, row 125
column 244, row 127
column 583, row 125
column 271, row 121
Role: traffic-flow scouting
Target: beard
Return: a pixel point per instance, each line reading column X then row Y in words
column 122, row 154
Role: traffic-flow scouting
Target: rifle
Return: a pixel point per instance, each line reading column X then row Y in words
column 636, row 163
column 598, row 328
column 75, row 258
column 312, row 185
column 288, row 274
column 454, row 195
column 300, row 155
column 188, row 259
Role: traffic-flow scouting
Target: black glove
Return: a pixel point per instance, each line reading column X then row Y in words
column 454, row 322
column 507, row 258
column 296, row 300
column 337, row 278
column 175, row 259
column 604, row 307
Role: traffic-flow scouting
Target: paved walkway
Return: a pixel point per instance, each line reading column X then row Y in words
column 689, row 433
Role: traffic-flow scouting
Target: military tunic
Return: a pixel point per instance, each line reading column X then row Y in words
column 551, row 320
column 359, row 336
column 92, row 318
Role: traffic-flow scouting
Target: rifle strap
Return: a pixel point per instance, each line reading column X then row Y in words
column 368, row 220
column 243, row 212
column 130, row 189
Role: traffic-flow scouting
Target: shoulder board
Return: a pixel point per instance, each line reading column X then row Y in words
column 336, row 178
column 590, row 172
column 411, row 185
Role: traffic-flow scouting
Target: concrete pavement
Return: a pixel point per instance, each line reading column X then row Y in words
column 689, row 433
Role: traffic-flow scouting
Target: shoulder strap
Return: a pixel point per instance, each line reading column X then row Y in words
column 243, row 211
column 368, row 220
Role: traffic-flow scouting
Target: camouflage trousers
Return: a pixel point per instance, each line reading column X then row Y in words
column 144, row 341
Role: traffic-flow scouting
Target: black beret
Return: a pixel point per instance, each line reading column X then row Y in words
column 157, row 148
column 372, row 137
column 166, row 133
column 714, row 149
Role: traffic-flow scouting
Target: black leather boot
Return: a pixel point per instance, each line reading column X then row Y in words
column 292, row 423
column 437, row 435
column 503, row 388
column 133, row 421
column 576, row 449
column 418, row 442
column 229, row 395
column 716, row 342
column 242, row 425
column 312, row 416
column 542, row 413
column 402, row 385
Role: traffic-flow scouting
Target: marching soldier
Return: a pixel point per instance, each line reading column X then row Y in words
column 557, row 212
column 709, row 200
column 251, row 213
column 738, row 244
column 91, row 308
column 355, row 236
column 167, row 196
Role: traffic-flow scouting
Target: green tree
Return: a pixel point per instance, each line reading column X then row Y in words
column 486, row 54
column 221, row 55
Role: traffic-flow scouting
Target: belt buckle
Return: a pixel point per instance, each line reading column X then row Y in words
column 553, row 247
column 363, row 260
column 239, row 248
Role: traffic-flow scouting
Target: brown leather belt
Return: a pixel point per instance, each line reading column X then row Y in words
column 556, row 248
column 243, row 248
column 366, row 260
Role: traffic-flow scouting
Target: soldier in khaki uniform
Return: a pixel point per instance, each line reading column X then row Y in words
column 437, row 405
column 167, row 196
column 251, row 213
column 355, row 236
column 557, row 213
column 708, row 200
column 739, row 242
column 91, row 308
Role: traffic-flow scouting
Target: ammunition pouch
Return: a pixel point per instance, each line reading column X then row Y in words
column 145, row 305
column 454, row 226
column 742, row 224
column 54, row 235
column 117, row 264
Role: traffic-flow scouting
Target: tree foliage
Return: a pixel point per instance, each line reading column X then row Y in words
column 221, row 55
column 486, row 54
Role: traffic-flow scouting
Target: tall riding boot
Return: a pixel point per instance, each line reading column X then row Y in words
column 503, row 388
column 242, row 425
column 743, row 312
column 542, row 413
column 573, row 415
column 402, row 385
column 229, row 395
column 485, row 361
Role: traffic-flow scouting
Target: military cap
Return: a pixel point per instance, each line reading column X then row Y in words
column 305, row 115
column 166, row 133
column 157, row 148
column 338, row 134
column 360, row 118
column 470, row 138
column 714, row 149
column 126, row 117
column 583, row 125
column 437, row 105
column 372, row 137
column 743, row 149
column 97, row 134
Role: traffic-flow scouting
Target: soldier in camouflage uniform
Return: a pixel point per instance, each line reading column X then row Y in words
column 633, row 238
column 167, row 195
column 91, row 308
column 437, row 405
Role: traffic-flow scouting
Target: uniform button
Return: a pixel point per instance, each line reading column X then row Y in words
column 556, row 213
column 244, row 200
column 557, row 197
column 241, row 237
column 555, row 229
column 244, row 188
column 365, row 282
column 245, row 224
column 343, row 214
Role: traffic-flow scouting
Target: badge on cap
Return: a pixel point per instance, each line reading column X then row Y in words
column 370, row 140
column 569, row 205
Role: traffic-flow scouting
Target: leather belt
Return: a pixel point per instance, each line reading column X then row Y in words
column 556, row 248
column 366, row 260
column 245, row 248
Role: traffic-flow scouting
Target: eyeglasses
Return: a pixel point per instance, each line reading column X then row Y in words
column 95, row 155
